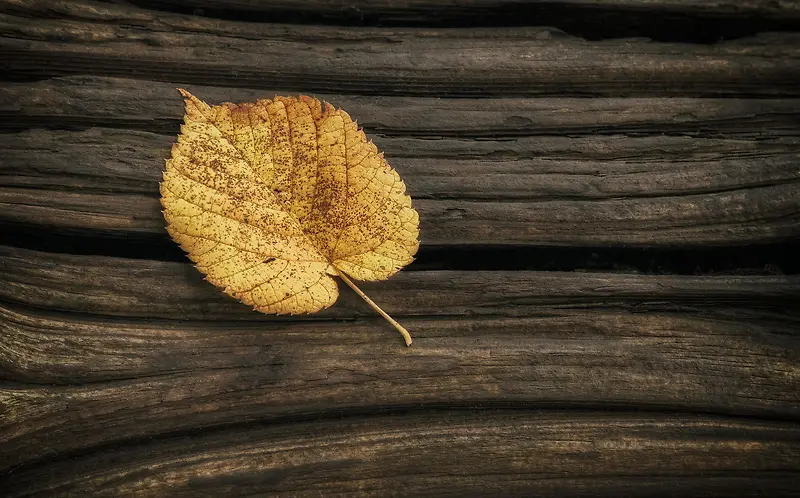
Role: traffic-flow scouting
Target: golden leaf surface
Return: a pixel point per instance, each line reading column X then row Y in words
column 271, row 199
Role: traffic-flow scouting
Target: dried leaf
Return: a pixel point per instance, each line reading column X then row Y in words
column 273, row 198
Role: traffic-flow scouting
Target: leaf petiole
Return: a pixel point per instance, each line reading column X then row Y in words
column 374, row 306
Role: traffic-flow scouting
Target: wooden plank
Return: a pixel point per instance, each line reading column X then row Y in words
column 125, row 376
column 698, row 372
column 76, row 102
column 444, row 454
column 419, row 10
column 171, row 374
column 409, row 61
column 657, row 190
column 146, row 349
column 45, row 347
column 672, row 185
column 133, row 287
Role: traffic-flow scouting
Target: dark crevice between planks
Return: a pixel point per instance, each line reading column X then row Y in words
column 398, row 411
column 764, row 259
column 581, row 20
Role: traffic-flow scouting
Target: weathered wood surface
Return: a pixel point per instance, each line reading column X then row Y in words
column 80, row 102
column 508, row 454
column 116, row 286
column 526, row 338
column 665, row 362
column 551, row 171
column 417, row 61
column 466, row 7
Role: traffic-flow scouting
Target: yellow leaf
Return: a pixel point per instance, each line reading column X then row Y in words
column 271, row 199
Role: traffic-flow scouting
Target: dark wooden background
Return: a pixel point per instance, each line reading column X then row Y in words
column 606, row 299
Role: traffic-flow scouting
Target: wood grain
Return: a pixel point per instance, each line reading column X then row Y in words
column 550, row 454
column 653, row 190
column 182, row 375
column 100, row 349
column 650, row 131
column 409, row 61
column 79, row 102
column 407, row 10
column 112, row 286
column 121, row 347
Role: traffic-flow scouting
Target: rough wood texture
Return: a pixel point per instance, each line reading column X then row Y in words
column 116, row 286
column 695, row 171
column 675, row 374
column 423, row 7
column 555, row 453
column 491, row 338
column 447, row 62
column 80, row 102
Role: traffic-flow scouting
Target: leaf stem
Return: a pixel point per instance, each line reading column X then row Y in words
column 374, row 306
